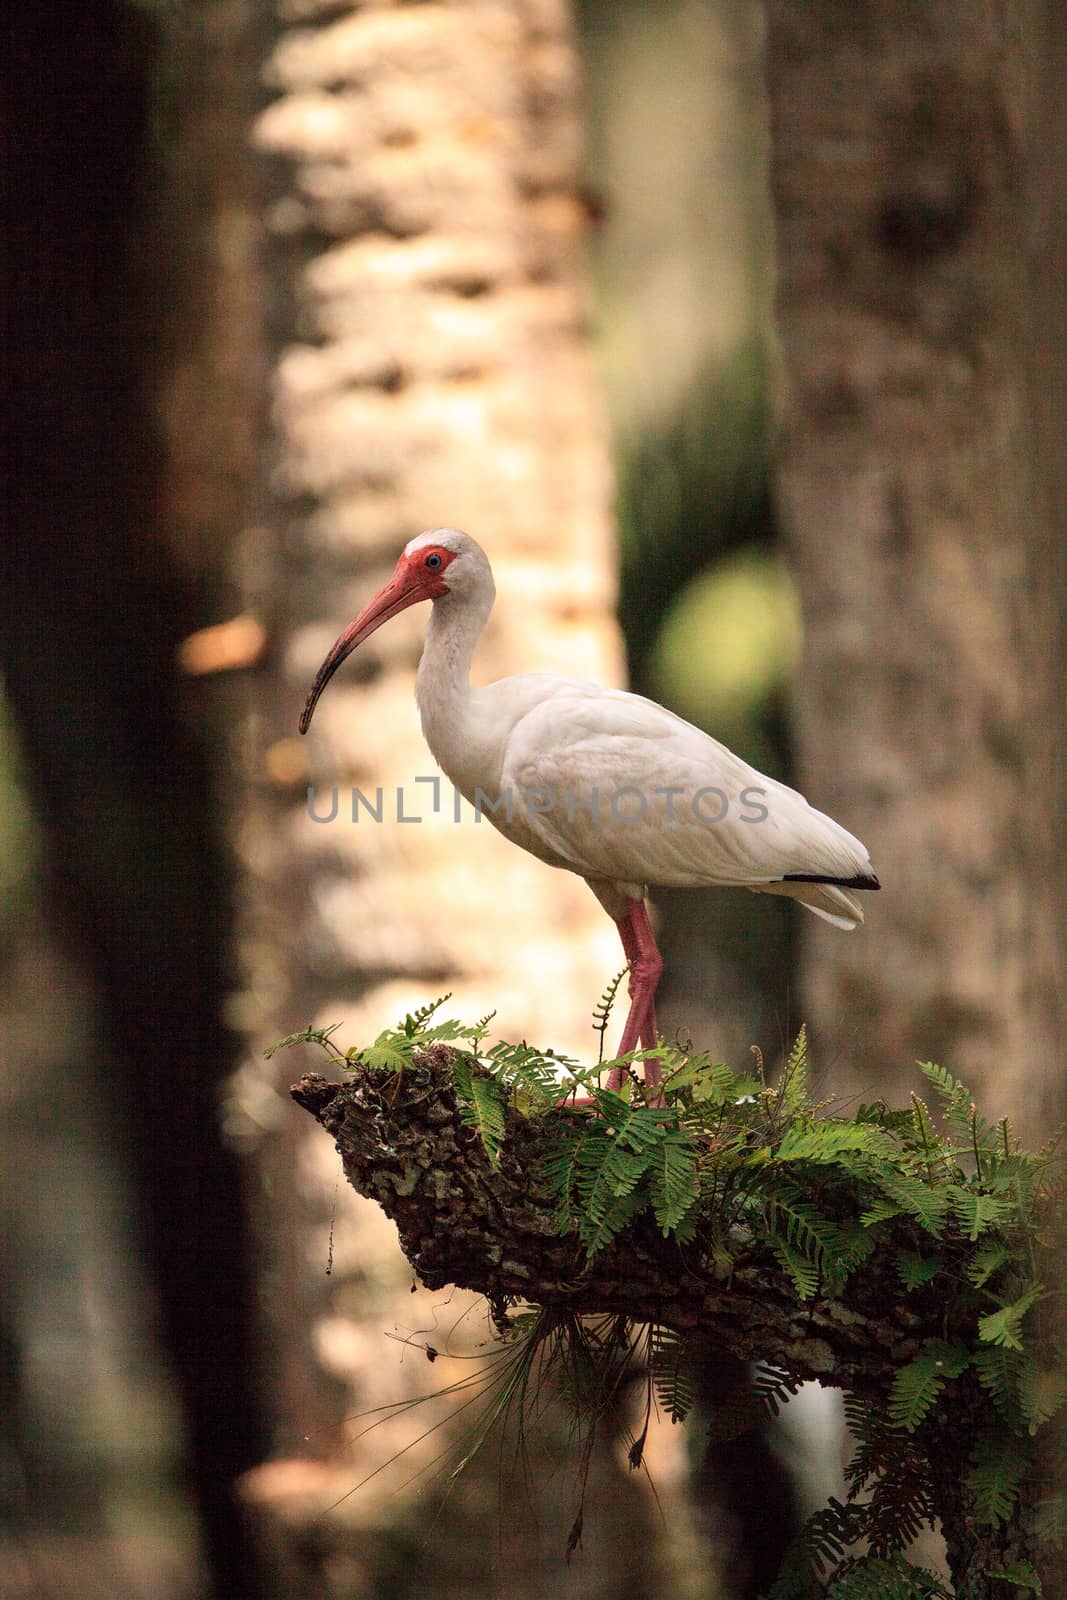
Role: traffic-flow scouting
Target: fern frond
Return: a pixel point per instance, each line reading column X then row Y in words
column 927, row 1203
column 1041, row 1392
column 1005, row 1326
column 672, row 1373
column 877, row 1577
column 986, row 1261
column 319, row 1036
column 998, row 1368
column 673, row 1179
column 916, row 1270
column 976, row 1212
column 994, row 1480
column 793, row 1085
column 1022, row 1574
column 828, row 1141
column 481, row 1102
column 390, row 1052
column 414, row 1022
column 603, row 1008
column 918, row 1384
column 773, row 1386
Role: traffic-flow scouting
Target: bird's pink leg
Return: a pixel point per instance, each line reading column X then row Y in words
column 646, row 968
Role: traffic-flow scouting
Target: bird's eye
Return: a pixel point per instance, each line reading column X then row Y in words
column 433, row 561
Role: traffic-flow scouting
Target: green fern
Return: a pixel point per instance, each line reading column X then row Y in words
column 987, row 1261
column 482, row 1102
column 673, row 1182
column 918, row 1384
column 999, row 1369
column 915, row 1270
column 773, row 1386
column 976, row 1212
column 1041, row 1392
column 720, row 1161
column 671, row 1368
column 319, row 1036
column 1005, row 1327
column 914, row 1195
column 793, row 1086
column 887, row 1578
column 827, row 1141
column 414, row 1024
column 994, row 1480
column 1022, row 1574
column 603, row 1009
column 388, row 1053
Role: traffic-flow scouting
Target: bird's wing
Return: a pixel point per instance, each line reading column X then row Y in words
column 621, row 789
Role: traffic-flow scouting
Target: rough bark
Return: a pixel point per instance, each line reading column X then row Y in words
column 429, row 365
column 404, row 1144
column 905, row 145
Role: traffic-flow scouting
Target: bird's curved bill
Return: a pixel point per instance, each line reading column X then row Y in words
column 397, row 595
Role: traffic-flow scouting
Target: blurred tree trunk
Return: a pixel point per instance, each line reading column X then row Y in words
column 128, row 975
column 907, row 151
column 430, row 366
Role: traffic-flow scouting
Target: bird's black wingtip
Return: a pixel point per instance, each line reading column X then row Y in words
column 862, row 880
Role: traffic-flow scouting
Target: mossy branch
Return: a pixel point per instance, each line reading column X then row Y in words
column 884, row 1255
column 405, row 1143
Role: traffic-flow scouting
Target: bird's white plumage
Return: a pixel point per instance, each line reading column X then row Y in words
column 600, row 782
column 606, row 759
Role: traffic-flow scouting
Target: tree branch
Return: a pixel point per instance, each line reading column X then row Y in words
column 403, row 1143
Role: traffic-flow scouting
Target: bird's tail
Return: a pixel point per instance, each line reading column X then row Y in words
column 825, row 899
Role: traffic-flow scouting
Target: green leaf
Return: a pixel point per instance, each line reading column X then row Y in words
column 828, row 1141
column 881, row 1211
column 386, row 1054
column 918, row 1384
column 1022, row 1574
column 673, row 1175
column 1005, row 1326
column 949, row 1089
column 993, row 1482
column 413, row 1024
column 915, row 1270
column 793, row 1087
column 1042, row 1392
column 914, row 1195
column 481, row 1102
column 672, row 1373
column 998, row 1370
column 977, row 1212
column 874, row 1577
column 320, row 1036
column 915, row 1391
column 987, row 1260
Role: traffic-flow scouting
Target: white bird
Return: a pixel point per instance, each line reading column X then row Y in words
column 601, row 782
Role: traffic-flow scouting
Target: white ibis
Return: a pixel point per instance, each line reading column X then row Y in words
column 600, row 782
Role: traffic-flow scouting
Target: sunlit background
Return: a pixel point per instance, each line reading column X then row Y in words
column 296, row 284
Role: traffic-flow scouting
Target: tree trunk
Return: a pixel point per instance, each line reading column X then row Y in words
column 430, row 366
column 905, row 154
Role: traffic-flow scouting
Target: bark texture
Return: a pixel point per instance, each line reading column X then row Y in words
column 429, row 366
column 460, row 1222
column 905, row 146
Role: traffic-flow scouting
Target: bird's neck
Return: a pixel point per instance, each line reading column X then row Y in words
column 442, row 688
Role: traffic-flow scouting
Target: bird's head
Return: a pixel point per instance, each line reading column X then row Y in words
column 434, row 565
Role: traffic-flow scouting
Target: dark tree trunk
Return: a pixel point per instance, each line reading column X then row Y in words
column 91, row 618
